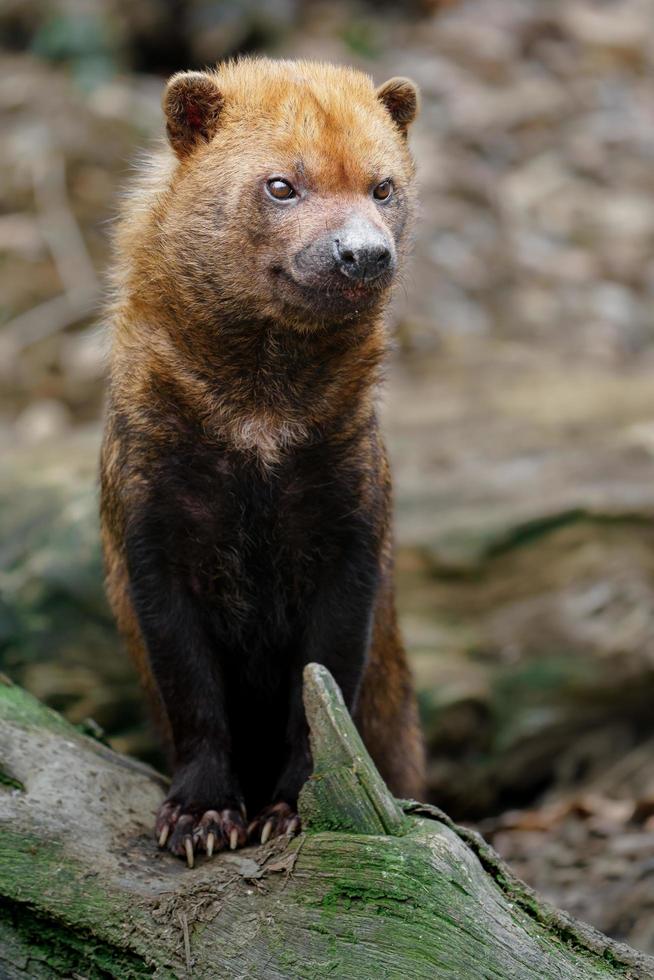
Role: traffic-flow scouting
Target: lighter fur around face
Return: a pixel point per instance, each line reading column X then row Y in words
column 197, row 248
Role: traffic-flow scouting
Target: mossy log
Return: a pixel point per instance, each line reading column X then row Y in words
column 373, row 888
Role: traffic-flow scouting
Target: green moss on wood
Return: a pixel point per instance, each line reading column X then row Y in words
column 43, row 884
column 55, row 950
column 41, row 872
column 345, row 792
column 20, row 708
column 8, row 782
column 422, row 899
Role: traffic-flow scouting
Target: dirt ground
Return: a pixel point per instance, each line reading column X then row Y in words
column 519, row 406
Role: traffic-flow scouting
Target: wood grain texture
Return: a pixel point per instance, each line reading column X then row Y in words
column 84, row 891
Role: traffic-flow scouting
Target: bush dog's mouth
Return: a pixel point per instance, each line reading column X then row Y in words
column 335, row 293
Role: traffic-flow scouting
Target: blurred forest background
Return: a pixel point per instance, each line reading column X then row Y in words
column 519, row 408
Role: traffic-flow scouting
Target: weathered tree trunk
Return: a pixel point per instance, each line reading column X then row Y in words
column 372, row 888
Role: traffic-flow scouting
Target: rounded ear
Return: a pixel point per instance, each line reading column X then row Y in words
column 192, row 104
column 399, row 96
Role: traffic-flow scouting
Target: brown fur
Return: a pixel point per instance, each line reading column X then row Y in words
column 197, row 288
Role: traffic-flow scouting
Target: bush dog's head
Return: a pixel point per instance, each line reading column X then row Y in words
column 293, row 189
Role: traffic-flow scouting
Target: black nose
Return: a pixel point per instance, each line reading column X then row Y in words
column 362, row 260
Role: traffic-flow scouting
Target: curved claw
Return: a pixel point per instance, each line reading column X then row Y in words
column 276, row 820
column 211, row 830
column 293, row 827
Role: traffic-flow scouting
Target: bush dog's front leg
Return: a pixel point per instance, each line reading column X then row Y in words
column 204, row 808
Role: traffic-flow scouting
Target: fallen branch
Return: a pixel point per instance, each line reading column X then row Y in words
column 372, row 889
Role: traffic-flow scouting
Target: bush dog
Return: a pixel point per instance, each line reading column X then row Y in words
column 245, row 486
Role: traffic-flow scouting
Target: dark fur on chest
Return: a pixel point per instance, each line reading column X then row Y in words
column 251, row 558
column 253, row 545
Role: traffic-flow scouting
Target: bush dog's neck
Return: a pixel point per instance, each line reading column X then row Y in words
column 254, row 383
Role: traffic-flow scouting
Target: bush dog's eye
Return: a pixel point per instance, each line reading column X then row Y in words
column 383, row 191
column 280, row 189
